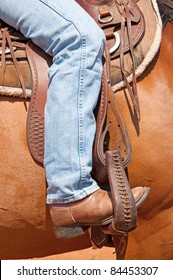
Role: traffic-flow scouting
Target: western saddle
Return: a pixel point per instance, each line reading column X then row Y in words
column 124, row 26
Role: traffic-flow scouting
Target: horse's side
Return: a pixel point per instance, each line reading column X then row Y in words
column 152, row 152
column 25, row 226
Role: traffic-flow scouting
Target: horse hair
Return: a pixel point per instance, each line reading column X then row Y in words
column 166, row 12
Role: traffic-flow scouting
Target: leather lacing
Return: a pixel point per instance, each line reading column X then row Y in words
column 125, row 215
column 9, row 43
column 126, row 21
column 122, row 190
column 126, row 13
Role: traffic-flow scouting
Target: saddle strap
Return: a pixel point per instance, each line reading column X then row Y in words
column 108, row 169
column 104, row 125
column 39, row 63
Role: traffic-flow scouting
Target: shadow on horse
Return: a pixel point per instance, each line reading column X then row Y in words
column 25, row 225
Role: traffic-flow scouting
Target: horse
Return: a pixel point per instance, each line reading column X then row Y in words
column 25, row 225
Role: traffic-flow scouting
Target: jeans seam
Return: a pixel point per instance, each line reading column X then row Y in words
column 81, row 118
column 81, row 89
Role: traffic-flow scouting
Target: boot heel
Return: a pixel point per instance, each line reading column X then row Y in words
column 69, row 231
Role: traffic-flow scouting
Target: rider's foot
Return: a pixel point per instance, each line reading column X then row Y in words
column 71, row 219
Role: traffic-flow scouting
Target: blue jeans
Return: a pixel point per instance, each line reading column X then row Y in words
column 66, row 32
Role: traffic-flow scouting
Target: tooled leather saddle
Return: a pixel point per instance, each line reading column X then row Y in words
column 124, row 26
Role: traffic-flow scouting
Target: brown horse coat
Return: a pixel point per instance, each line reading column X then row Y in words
column 25, row 226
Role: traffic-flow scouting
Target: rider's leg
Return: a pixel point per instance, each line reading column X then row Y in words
column 65, row 31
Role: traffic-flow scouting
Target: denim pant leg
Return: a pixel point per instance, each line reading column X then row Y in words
column 65, row 31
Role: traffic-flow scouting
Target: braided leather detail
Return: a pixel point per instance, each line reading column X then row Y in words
column 125, row 212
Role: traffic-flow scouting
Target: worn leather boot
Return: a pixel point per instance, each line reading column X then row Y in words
column 72, row 219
